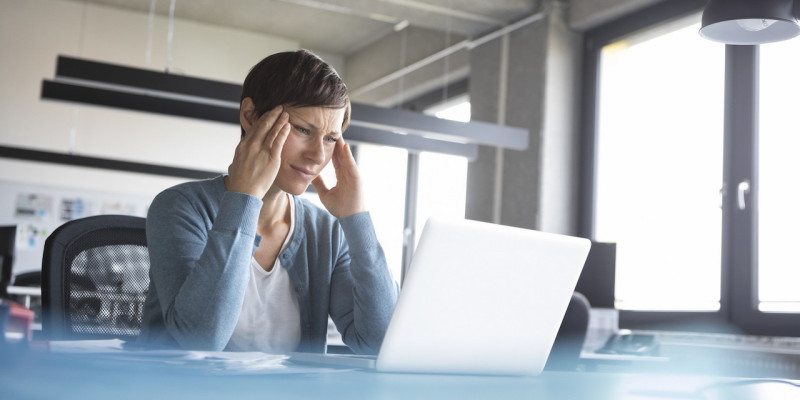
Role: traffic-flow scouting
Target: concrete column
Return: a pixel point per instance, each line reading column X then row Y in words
column 587, row 14
column 537, row 186
column 396, row 51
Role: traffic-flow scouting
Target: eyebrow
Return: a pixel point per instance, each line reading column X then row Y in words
column 309, row 124
column 312, row 126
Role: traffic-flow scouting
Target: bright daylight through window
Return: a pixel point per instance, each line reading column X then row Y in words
column 659, row 167
column 383, row 173
column 778, row 174
column 442, row 177
column 441, row 188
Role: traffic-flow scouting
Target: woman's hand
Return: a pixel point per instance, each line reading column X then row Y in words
column 258, row 155
column 346, row 198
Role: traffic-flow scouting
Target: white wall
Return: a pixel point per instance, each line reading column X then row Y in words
column 34, row 32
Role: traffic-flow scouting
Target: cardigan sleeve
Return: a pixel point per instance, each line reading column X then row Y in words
column 199, row 273
column 363, row 293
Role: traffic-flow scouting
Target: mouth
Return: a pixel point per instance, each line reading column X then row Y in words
column 305, row 173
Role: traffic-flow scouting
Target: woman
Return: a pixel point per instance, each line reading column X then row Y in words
column 240, row 263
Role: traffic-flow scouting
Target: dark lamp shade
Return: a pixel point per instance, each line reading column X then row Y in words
column 749, row 22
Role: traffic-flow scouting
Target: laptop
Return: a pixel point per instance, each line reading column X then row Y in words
column 478, row 298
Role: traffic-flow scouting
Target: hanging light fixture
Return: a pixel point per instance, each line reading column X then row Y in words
column 110, row 85
column 117, row 86
column 750, row 22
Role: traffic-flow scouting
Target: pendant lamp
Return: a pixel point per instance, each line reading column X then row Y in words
column 750, row 22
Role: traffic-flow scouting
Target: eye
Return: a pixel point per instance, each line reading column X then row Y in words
column 331, row 139
column 302, row 130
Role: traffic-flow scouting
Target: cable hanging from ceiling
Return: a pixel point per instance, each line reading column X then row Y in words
column 466, row 44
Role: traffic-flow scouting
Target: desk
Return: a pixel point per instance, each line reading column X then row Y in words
column 39, row 374
column 26, row 293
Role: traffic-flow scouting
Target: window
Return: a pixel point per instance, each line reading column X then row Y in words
column 689, row 166
column 441, row 189
column 659, row 167
column 383, row 171
column 440, row 186
column 383, row 174
column 778, row 172
column 456, row 109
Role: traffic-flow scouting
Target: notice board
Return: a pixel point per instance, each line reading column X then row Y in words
column 38, row 210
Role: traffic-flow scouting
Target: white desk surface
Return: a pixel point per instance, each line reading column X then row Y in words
column 85, row 370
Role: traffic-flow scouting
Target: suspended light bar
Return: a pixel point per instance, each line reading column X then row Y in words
column 433, row 128
column 117, row 86
column 110, row 85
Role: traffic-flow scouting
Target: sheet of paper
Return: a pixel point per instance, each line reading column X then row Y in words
column 217, row 362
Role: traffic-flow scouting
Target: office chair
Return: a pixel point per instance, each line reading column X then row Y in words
column 95, row 278
column 8, row 237
column 28, row 279
column 566, row 350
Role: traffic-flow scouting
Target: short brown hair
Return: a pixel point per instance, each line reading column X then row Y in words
column 295, row 78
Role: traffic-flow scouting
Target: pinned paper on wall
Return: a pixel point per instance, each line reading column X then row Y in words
column 118, row 207
column 77, row 207
column 30, row 236
column 33, row 206
column 38, row 210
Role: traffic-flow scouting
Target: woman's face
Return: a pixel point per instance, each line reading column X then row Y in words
column 309, row 146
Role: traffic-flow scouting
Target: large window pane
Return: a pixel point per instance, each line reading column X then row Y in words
column 442, row 187
column 383, row 174
column 778, row 176
column 659, row 167
column 383, row 171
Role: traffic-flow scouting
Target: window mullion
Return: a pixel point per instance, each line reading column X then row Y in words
column 409, row 226
column 741, row 127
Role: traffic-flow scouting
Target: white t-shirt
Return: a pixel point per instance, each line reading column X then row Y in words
column 270, row 316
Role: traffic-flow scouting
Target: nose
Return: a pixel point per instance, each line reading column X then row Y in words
column 316, row 151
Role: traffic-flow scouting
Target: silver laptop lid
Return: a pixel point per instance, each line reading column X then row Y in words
column 482, row 298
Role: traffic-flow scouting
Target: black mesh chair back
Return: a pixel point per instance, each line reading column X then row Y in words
column 95, row 278
column 8, row 235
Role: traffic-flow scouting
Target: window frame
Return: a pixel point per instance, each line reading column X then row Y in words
column 738, row 311
column 419, row 104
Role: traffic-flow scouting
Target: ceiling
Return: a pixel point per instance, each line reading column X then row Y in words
column 341, row 27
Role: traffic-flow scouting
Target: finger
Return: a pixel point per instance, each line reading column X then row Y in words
column 337, row 150
column 276, row 129
column 348, row 155
column 320, row 186
column 280, row 139
column 263, row 125
column 259, row 129
column 341, row 153
column 343, row 161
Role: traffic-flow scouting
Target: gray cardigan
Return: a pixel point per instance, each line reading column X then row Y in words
column 201, row 239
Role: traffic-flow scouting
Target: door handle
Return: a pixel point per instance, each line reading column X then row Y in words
column 742, row 190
